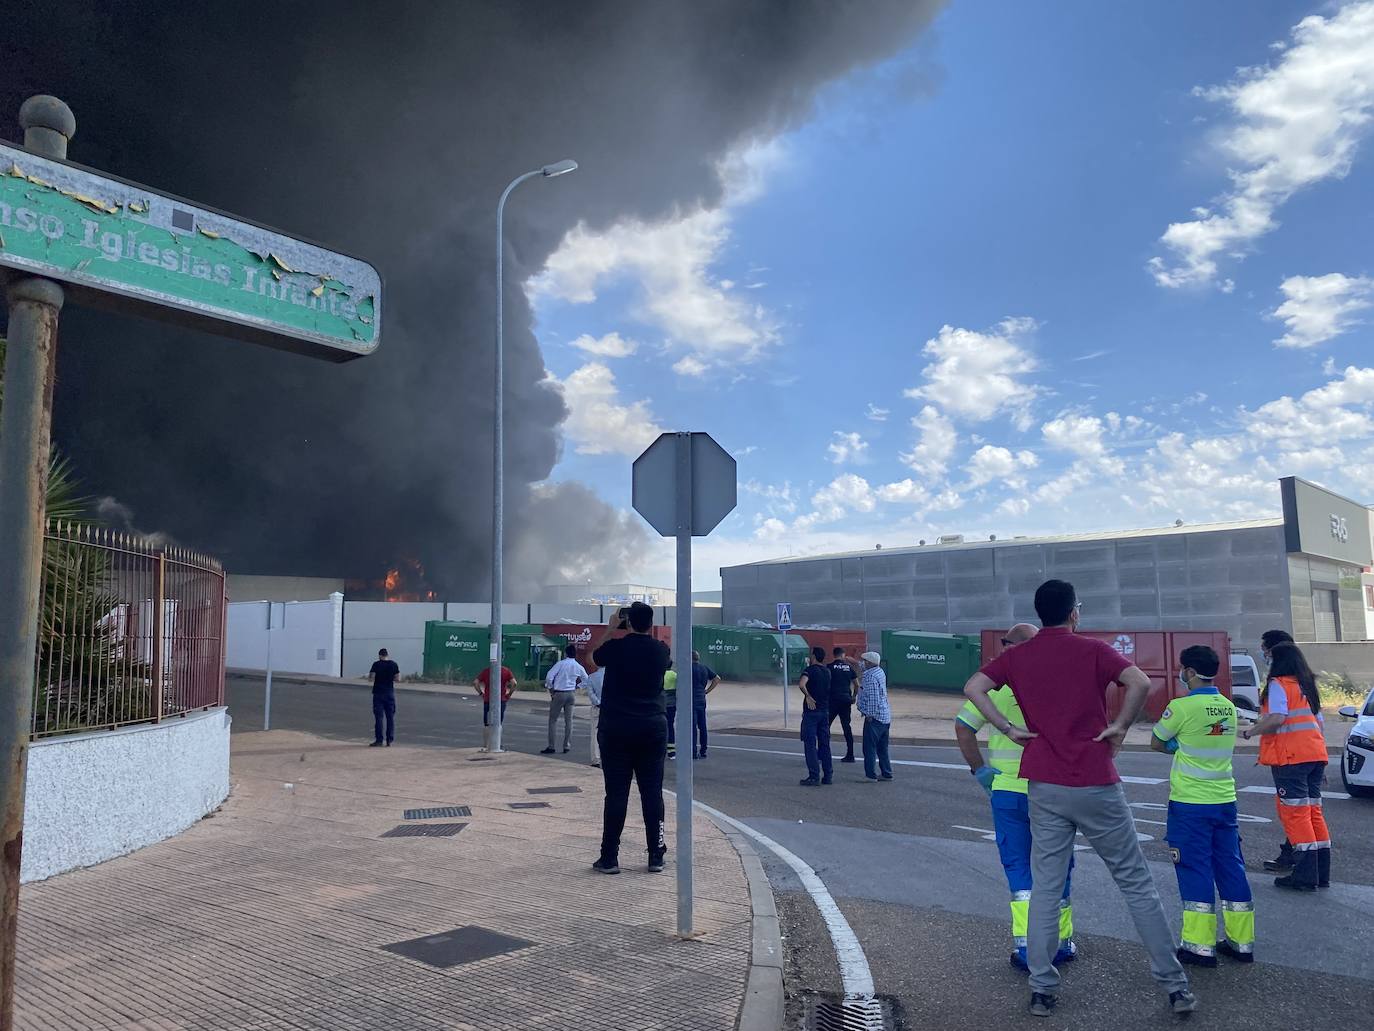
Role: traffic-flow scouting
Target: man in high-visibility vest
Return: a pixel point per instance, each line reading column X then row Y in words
column 1007, row 791
column 1199, row 729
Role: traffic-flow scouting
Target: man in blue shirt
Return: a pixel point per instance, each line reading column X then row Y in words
column 704, row 681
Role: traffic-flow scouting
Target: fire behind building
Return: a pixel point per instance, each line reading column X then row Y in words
column 1306, row 572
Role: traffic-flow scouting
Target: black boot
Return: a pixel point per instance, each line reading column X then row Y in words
column 1284, row 863
column 1323, row 868
column 1304, row 875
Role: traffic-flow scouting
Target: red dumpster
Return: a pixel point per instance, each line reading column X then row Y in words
column 1155, row 652
column 854, row 642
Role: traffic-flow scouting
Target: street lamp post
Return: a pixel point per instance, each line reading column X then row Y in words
column 498, row 456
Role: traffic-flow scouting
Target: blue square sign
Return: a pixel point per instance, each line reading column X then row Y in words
column 784, row 616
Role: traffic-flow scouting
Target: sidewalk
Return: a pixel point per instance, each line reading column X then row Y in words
column 278, row 911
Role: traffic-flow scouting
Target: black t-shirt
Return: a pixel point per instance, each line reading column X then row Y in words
column 842, row 677
column 633, row 689
column 818, row 684
column 385, row 673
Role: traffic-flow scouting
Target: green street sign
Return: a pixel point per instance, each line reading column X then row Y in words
column 121, row 245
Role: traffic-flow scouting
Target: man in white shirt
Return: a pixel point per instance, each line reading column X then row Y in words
column 593, row 686
column 563, row 681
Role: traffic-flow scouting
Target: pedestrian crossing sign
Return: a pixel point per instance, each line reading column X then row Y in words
column 784, row 616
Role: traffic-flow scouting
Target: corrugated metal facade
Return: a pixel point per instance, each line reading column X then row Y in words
column 1232, row 577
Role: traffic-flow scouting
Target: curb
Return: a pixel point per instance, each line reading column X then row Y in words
column 762, row 1006
column 948, row 742
column 315, row 680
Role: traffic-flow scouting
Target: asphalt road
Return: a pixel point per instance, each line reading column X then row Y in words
column 912, row 865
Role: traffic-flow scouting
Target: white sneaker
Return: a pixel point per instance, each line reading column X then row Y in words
column 597, row 764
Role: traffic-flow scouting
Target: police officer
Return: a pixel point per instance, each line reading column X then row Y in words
column 1203, row 834
column 843, row 677
column 1010, row 808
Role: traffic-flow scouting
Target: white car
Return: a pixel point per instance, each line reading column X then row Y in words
column 1357, row 761
column 1245, row 681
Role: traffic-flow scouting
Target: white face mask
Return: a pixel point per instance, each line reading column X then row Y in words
column 1183, row 679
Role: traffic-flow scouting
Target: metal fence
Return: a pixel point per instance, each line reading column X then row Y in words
column 129, row 631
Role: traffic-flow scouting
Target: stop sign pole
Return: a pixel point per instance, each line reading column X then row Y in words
column 684, row 485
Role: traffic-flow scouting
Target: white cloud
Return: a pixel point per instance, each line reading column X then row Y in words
column 1321, row 418
column 1318, row 308
column 991, row 463
column 1084, row 436
column 780, row 499
column 672, row 263
column 598, row 422
column 936, row 443
column 612, row 345
column 907, row 492
column 770, row 529
column 974, row 375
column 689, row 365
column 876, row 414
column 842, row 496
column 848, row 447
column 1297, row 123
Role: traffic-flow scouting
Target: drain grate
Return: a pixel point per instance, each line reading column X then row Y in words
column 461, row 945
column 446, row 811
column 831, row 1014
column 424, row 830
column 562, row 789
column 529, row 805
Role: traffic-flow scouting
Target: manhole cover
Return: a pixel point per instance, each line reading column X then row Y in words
column 563, row 789
column 424, row 830
column 529, row 805
column 461, row 945
column 448, row 811
column 832, row 1014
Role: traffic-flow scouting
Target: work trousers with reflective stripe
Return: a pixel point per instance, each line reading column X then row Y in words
column 1205, row 840
column 1011, row 823
column 1298, row 798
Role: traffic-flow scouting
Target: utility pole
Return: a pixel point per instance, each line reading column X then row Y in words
column 25, row 444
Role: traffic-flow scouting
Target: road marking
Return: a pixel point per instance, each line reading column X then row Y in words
column 895, row 762
column 992, row 835
column 855, row 974
column 1260, row 789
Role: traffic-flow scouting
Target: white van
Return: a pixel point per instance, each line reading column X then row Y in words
column 1245, row 681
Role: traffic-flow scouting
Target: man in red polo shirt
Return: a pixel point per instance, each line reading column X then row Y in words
column 1060, row 681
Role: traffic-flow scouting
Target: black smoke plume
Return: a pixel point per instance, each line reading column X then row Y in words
column 388, row 130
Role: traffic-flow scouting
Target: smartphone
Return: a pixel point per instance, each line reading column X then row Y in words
column 622, row 619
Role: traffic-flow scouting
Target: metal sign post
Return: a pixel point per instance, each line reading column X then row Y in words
column 70, row 232
column 684, row 485
column 784, row 625
column 267, row 689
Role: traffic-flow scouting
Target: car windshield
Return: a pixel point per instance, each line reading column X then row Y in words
column 1242, row 676
column 1369, row 705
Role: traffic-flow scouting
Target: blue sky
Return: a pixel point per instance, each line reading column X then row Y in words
column 1044, row 272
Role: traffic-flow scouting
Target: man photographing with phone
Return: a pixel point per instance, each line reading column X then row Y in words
column 634, row 731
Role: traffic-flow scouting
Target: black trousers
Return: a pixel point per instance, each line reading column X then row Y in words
column 384, row 708
column 842, row 710
column 632, row 751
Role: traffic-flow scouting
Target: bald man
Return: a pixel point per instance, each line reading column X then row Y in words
column 1010, row 810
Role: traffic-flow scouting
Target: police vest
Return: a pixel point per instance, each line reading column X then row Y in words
column 1004, row 754
column 1300, row 738
column 1203, row 722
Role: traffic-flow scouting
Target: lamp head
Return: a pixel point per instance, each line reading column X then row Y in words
column 559, row 168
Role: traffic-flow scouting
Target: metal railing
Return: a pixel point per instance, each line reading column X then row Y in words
column 129, row 631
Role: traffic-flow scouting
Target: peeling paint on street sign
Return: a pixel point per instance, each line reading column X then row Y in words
column 121, row 245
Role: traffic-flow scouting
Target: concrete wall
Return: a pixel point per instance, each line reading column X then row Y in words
column 1355, row 659
column 307, row 636
column 1232, row 580
column 91, row 797
column 399, row 627
column 241, row 587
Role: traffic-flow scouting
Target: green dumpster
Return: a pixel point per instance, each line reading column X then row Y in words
column 942, row 662
column 765, row 656
column 724, row 648
column 456, row 652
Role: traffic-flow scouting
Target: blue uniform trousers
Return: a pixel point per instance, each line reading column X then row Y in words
column 1011, row 823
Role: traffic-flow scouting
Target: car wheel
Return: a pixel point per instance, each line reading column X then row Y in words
column 1355, row 790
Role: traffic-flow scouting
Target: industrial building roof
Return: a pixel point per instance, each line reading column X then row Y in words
column 1063, row 538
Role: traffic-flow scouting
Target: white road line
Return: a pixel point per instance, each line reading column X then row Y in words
column 855, row 974
column 1260, row 789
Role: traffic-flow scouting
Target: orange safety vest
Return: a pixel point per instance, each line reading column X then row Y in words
column 1299, row 739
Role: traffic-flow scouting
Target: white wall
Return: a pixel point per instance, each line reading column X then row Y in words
column 307, row 636
column 91, row 797
column 399, row 627
column 246, row 587
column 551, row 613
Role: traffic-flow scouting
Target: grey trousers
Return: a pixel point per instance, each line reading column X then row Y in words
column 1057, row 813
column 561, row 703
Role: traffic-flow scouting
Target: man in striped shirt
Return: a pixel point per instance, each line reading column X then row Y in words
column 1007, row 790
column 872, row 703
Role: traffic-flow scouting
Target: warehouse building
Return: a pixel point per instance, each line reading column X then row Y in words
column 1303, row 571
